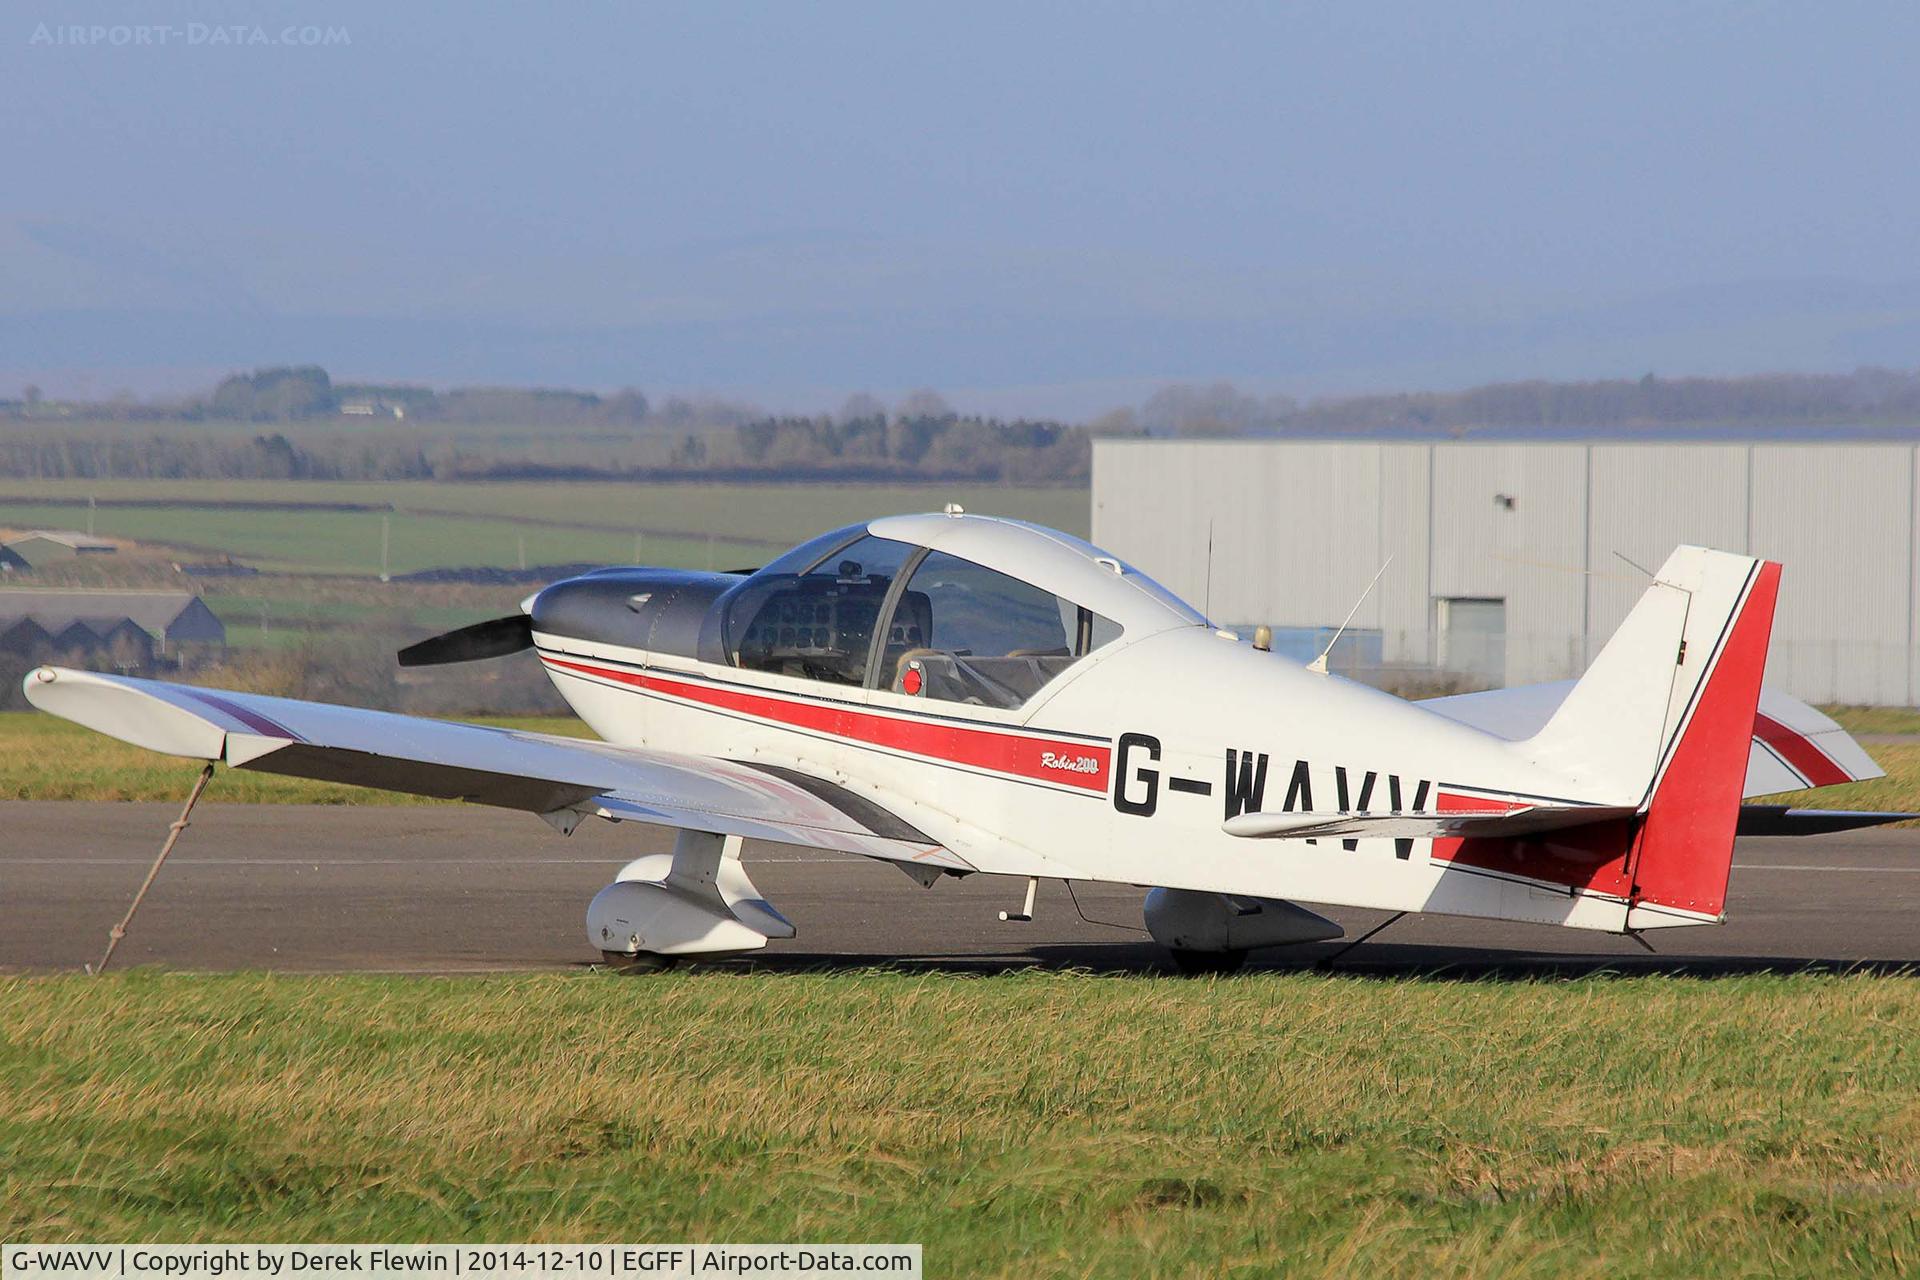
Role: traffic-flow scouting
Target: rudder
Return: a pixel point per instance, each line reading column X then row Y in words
column 1663, row 721
column 1684, row 851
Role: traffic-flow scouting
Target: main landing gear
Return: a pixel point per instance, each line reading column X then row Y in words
column 1211, row 933
column 696, row 901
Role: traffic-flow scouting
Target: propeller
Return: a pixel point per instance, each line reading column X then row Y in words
column 493, row 639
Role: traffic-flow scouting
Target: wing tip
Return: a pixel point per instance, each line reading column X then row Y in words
column 121, row 708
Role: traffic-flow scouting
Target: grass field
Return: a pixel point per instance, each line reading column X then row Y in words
column 433, row 525
column 1026, row 1125
column 1878, row 719
column 43, row 758
column 282, row 614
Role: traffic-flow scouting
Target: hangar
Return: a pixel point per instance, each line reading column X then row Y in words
column 1511, row 562
column 44, row 546
column 131, row 628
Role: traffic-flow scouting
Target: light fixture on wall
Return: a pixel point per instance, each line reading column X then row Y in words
column 1505, row 501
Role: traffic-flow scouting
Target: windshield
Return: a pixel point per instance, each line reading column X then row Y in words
column 817, row 624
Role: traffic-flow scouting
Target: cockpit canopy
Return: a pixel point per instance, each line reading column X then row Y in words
column 853, row 608
column 953, row 608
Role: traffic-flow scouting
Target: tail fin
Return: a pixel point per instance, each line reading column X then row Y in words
column 1663, row 721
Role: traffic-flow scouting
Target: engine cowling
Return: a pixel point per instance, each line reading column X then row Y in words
column 1193, row 920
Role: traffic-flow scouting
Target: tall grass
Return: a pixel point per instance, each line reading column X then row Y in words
column 1030, row 1125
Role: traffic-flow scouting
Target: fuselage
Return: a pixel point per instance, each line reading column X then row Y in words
column 1122, row 766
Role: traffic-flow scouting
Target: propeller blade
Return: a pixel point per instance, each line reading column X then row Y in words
column 493, row 639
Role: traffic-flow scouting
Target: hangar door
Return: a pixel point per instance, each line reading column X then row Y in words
column 1472, row 637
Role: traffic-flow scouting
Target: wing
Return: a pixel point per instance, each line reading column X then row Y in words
column 558, row 778
column 1794, row 746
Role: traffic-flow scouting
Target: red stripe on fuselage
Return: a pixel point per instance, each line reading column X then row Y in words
column 1799, row 751
column 1012, row 753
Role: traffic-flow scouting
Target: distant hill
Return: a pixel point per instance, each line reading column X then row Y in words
column 295, row 422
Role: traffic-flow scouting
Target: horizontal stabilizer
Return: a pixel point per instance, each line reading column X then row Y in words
column 1519, row 821
column 1780, row 820
column 1794, row 746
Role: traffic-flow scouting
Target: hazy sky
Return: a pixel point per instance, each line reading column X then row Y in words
column 1048, row 207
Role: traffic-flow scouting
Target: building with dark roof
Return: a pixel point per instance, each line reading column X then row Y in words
column 120, row 642
column 126, row 628
column 42, row 546
column 25, row 637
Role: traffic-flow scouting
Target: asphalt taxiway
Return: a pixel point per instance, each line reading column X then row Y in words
column 448, row 890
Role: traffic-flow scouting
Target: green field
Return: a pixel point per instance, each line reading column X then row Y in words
column 1902, row 720
column 277, row 619
column 44, row 758
column 1033, row 1124
column 433, row 525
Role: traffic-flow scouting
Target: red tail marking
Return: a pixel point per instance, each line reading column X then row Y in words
column 1800, row 752
column 1591, row 858
column 1680, row 854
column 1685, row 849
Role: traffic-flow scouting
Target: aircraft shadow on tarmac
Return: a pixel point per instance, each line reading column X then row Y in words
column 1382, row 960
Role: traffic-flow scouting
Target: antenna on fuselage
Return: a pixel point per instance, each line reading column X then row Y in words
column 1206, row 596
column 1319, row 664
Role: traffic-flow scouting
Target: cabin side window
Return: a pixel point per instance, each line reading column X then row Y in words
column 962, row 632
column 817, row 624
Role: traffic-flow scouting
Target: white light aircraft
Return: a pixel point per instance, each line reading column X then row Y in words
column 960, row 694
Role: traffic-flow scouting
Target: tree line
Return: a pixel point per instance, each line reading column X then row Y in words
column 304, row 393
column 1867, row 396
column 421, row 434
column 973, row 449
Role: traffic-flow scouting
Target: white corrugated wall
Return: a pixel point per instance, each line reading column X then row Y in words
column 1299, row 528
